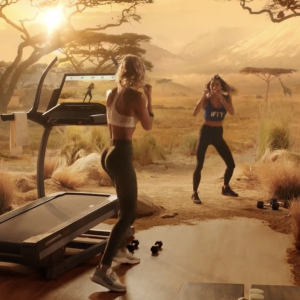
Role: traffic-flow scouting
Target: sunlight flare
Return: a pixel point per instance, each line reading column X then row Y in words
column 53, row 17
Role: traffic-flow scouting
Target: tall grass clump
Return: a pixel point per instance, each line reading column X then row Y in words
column 189, row 144
column 273, row 131
column 51, row 164
column 68, row 179
column 295, row 221
column 100, row 137
column 81, row 141
column 281, row 178
column 6, row 192
column 145, row 150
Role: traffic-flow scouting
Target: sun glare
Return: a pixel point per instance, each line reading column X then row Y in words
column 53, row 17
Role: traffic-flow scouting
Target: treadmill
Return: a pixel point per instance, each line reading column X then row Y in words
column 55, row 232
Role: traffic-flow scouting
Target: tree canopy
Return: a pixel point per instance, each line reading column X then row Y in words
column 267, row 74
column 278, row 10
column 97, row 48
column 38, row 42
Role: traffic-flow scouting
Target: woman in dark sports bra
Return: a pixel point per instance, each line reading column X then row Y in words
column 126, row 106
column 215, row 102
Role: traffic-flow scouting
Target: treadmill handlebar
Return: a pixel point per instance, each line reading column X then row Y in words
column 36, row 103
column 98, row 119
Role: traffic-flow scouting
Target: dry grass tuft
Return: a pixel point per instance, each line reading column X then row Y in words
column 145, row 150
column 274, row 128
column 68, row 179
column 51, row 164
column 189, row 144
column 6, row 192
column 282, row 178
column 295, row 220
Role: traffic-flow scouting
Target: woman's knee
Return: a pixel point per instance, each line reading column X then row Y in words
column 231, row 166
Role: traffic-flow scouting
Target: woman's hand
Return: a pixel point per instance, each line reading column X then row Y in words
column 148, row 91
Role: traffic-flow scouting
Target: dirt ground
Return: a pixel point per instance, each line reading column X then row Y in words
column 169, row 184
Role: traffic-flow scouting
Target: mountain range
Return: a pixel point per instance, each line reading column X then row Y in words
column 231, row 49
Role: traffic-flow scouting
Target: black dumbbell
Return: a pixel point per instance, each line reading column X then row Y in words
column 133, row 246
column 284, row 204
column 154, row 249
column 135, row 243
column 158, row 245
column 274, row 205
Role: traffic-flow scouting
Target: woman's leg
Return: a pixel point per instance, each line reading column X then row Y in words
column 224, row 151
column 119, row 165
column 126, row 189
column 203, row 143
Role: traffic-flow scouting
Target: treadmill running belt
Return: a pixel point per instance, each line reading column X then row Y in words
column 47, row 216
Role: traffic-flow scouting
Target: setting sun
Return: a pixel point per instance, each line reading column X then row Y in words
column 53, row 17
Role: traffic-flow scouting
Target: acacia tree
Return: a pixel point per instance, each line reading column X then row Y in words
column 30, row 72
column 267, row 74
column 278, row 10
column 98, row 48
column 41, row 44
column 163, row 81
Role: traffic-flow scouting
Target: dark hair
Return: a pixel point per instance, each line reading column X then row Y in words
column 224, row 86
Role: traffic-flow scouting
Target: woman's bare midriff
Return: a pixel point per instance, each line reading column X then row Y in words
column 213, row 123
column 121, row 133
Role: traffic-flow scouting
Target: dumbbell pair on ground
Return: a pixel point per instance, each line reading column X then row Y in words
column 274, row 204
column 154, row 249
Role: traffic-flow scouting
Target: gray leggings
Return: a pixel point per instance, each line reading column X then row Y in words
column 118, row 165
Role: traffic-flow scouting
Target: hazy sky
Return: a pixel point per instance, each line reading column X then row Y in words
column 170, row 23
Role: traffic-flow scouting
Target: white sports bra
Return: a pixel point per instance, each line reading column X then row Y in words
column 116, row 119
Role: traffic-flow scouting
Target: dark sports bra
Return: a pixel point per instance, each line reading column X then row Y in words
column 211, row 113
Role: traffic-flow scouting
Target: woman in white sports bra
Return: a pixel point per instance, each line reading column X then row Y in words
column 126, row 106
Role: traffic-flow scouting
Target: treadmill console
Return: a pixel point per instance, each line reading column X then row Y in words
column 69, row 113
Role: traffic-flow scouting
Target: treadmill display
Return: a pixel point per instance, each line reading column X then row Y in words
column 85, row 88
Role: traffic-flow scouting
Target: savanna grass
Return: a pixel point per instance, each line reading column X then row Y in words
column 274, row 130
column 146, row 150
column 81, row 141
column 295, row 221
column 189, row 144
column 7, row 187
column 281, row 178
column 68, row 179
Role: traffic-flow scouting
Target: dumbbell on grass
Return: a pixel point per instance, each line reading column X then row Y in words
column 261, row 204
column 158, row 245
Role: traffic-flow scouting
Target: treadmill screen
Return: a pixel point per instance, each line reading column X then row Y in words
column 86, row 88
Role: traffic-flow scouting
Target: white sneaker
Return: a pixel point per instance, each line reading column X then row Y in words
column 108, row 279
column 126, row 257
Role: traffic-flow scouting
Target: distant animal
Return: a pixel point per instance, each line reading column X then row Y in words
column 259, row 97
column 287, row 91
